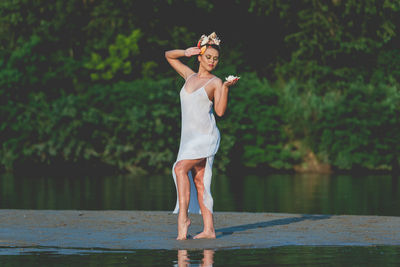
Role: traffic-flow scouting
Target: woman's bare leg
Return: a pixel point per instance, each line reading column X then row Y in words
column 183, row 259
column 208, row 230
column 208, row 259
column 182, row 180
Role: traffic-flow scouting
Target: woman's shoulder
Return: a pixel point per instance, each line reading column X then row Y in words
column 216, row 80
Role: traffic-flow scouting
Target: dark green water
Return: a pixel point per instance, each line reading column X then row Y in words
column 279, row 256
column 311, row 194
column 308, row 194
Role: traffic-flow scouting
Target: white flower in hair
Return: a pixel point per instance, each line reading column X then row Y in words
column 231, row 78
column 217, row 41
column 205, row 40
column 214, row 38
column 211, row 39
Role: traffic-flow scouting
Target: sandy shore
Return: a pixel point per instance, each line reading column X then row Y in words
column 120, row 230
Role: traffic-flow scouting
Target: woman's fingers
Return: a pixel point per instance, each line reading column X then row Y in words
column 233, row 82
column 192, row 51
column 196, row 50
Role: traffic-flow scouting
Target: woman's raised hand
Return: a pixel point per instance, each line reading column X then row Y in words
column 191, row 51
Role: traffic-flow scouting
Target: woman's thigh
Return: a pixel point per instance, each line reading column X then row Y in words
column 184, row 166
column 198, row 169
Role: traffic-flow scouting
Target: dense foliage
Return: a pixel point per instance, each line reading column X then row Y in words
column 86, row 80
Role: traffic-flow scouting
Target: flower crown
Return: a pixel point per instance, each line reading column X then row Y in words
column 207, row 40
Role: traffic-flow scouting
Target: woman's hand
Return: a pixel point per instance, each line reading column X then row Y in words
column 230, row 83
column 191, row 51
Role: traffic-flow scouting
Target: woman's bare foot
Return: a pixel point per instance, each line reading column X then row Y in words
column 205, row 234
column 183, row 227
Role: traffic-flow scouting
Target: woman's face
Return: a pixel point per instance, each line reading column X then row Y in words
column 209, row 59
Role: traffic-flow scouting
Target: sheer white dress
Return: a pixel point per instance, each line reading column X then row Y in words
column 200, row 138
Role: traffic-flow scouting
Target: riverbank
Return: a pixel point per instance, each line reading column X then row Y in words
column 128, row 230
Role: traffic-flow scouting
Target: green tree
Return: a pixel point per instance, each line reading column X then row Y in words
column 119, row 59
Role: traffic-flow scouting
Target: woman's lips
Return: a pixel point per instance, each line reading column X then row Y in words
column 210, row 65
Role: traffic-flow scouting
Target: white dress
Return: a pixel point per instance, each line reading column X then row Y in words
column 200, row 138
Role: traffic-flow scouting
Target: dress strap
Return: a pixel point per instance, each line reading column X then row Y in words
column 209, row 81
column 190, row 76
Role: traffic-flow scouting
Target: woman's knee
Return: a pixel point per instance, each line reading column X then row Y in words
column 180, row 168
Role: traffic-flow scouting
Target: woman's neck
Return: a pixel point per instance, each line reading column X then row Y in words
column 202, row 73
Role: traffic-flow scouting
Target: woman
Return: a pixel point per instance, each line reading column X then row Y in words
column 199, row 136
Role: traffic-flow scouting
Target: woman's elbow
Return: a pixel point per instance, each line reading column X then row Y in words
column 168, row 54
column 220, row 113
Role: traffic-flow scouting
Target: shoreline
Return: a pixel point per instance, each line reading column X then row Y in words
column 131, row 230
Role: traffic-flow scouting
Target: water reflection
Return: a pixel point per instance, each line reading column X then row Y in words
column 276, row 256
column 184, row 260
column 306, row 194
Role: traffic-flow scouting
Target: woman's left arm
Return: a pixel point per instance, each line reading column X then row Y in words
column 221, row 96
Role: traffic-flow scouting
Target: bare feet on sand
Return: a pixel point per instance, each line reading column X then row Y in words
column 183, row 227
column 205, row 234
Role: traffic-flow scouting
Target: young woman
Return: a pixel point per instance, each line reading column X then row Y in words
column 199, row 136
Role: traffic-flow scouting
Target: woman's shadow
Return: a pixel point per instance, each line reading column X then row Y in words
column 239, row 228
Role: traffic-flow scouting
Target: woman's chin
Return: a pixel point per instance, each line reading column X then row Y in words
column 209, row 68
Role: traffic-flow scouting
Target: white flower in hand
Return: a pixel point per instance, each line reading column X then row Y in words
column 232, row 78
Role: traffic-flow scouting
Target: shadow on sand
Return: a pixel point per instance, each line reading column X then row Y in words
column 239, row 228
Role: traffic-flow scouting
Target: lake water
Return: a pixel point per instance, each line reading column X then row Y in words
column 286, row 193
column 279, row 256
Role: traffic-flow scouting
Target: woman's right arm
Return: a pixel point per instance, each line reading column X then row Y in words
column 172, row 58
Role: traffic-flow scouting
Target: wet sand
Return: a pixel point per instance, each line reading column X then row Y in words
column 129, row 230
